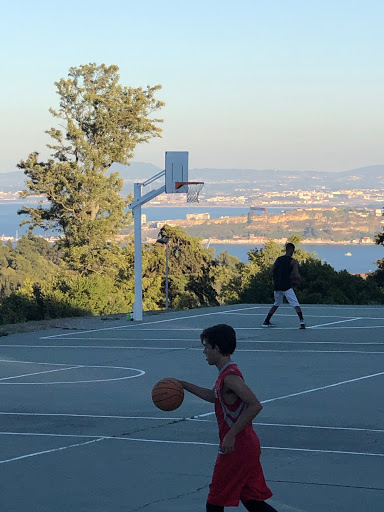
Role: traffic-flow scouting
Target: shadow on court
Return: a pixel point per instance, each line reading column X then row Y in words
column 79, row 430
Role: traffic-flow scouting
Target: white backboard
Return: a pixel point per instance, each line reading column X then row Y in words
column 176, row 169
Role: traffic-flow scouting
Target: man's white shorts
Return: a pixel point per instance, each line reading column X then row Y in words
column 289, row 294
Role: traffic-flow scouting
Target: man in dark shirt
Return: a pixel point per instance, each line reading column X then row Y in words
column 285, row 273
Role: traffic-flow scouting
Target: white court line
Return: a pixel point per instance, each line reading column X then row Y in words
column 158, row 329
column 315, row 427
column 302, row 351
column 119, row 347
column 50, row 451
column 293, row 315
column 191, row 443
column 97, row 346
column 286, row 342
column 125, row 340
column 39, row 373
column 154, row 322
column 196, row 340
column 303, row 392
column 199, row 329
column 337, row 306
column 297, row 426
column 180, row 418
column 139, row 374
column 333, row 323
column 103, row 416
column 323, row 387
column 236, row 328
column 354, row 327
column 338, row 452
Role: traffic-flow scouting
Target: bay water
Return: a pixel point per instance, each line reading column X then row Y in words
column 352, row 257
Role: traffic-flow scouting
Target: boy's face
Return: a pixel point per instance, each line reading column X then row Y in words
column 211, row 353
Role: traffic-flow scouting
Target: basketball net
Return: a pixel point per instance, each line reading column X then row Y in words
column 191, row 188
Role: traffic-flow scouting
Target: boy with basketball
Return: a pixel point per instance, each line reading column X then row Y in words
column 286, row 275
column 238, row 475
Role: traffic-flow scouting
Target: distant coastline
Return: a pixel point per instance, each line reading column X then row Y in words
column 262, row 241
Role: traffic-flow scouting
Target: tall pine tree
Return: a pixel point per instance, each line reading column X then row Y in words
column 101, row 122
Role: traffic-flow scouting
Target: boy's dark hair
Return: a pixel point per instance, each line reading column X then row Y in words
column 221, row 336
column 289, row 247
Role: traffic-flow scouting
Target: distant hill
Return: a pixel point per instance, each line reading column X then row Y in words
column 270, row 179
column 226, row 181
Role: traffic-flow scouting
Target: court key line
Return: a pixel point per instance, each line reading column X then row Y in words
column 39, row 373
column 140, row 373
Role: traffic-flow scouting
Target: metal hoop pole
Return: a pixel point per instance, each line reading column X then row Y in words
column 138, row 261
column 166, row 274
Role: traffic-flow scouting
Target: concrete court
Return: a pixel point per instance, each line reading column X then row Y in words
column 79, row 431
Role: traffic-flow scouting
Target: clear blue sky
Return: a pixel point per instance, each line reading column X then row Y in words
column 248, row 84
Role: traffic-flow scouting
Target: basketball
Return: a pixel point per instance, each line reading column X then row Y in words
column 168, row 394
column 295, row 281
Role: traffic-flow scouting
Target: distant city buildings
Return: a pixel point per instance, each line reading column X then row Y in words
column 198, row 216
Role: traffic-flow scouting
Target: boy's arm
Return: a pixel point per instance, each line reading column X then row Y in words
column 239, row 388
column 205, row 393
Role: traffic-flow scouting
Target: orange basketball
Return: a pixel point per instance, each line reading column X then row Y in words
column 168, row 394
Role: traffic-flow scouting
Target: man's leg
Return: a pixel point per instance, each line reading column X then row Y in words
column 279, row 297
column 258, row 506
column 300, row 313
column 292, row 299
column 214, row 508
column 271, row 312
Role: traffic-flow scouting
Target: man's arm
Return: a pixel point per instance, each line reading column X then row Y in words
column 239, row 388
column 205, row 393
column 295, row 269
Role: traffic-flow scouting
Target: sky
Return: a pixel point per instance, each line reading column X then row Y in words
column 248, row 84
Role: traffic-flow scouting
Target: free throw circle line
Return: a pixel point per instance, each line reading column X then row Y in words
column 139, row 374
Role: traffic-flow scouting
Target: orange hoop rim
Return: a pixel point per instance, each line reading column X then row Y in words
column 179, row 184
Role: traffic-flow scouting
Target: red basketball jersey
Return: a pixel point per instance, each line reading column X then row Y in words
column 238, row 476
column 228, row 414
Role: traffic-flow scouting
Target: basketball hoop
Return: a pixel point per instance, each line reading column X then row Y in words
column 191, row 188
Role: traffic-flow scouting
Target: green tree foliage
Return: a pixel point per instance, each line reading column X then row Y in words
column 37, row 301
column 378, row 275
column 103, row 122
column 227, row 276
column 32, row 258
column 36, row 285
column 191, row 280
column 321, row 284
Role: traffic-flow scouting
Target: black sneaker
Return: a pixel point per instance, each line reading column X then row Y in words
column 302, row 325
column 267, row 324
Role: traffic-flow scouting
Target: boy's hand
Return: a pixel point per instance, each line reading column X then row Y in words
column 228, row 444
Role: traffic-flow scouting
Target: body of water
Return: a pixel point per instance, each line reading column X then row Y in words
column 157, row 213
column 361, row 260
